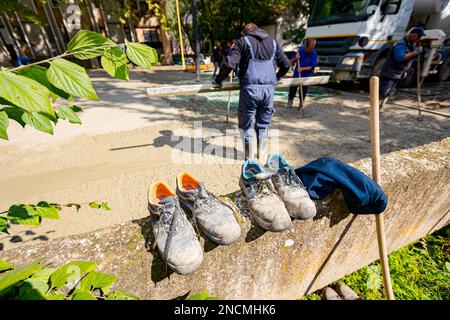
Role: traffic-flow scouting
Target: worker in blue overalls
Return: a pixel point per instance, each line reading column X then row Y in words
column 305, row 62
column 398, row 62
column 258, row 56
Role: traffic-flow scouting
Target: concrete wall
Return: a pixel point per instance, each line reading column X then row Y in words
column 260, row 265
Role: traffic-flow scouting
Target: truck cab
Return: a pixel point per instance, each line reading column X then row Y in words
column 355, row 36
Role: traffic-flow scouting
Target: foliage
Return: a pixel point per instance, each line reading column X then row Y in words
column 223, row 20
column 419, row 271
column 28, row 92
column 32, row 214
column 9, row 7
column 202, row 296
column 76, row 280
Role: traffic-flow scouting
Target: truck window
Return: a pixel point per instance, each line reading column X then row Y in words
column 336, row 11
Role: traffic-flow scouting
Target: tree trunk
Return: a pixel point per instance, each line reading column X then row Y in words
column 165, row 38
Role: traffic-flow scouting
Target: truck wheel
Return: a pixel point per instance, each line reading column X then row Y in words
column 444, row 70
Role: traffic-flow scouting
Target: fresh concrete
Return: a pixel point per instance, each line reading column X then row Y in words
column 273, row 265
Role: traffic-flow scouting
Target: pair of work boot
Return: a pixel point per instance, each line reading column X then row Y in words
column 342, row 292
column 275, row 194
column 174, row 235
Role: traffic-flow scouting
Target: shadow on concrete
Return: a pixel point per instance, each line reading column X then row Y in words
column 159, row 270
column 336, row 245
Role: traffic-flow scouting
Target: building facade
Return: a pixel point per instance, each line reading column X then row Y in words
column 61, row 20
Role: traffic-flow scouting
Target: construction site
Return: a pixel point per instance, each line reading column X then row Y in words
column 173, row 118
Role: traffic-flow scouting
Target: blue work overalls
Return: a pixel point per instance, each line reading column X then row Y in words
column 256, row 98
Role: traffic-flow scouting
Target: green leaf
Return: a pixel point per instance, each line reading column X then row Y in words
column 121, row 295
column 76, row 205
column 12, row 278
column 38, row 121
column 68, row 114
column 44, row 274
column 114, row 61
column 25, row 93
column 141, row 54
column 96, row 280
column 84, row 296
column 15, row 113
column 105, row 206
column 4, row 122
column 32, row 288
column 5, row 266
column 39, row 74
column 71, row 78
column 57, row 296
column 47, row 211
column 155, row 56
column 23, row 214
column 70, row 272
column 4, row 225
column 102, row 281
column 88, row 40
column 76, row 109
column 94, row 205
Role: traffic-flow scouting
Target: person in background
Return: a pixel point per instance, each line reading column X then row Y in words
column 23, row 58
column 305, row 62
column 217, row 58
column 398, row 62
column 258, row 56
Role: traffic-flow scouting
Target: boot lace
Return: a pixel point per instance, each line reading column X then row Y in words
column 291, row 179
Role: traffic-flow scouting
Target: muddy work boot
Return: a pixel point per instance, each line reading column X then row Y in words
column 329, row 294
column 265, row 206
column 290, row 188
column 174, row 235
column 347, row 293
column 215, row 218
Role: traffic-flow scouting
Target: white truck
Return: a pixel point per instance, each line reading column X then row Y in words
column 355, row 36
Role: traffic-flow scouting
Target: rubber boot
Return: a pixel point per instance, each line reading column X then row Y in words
column 262, row 149
column 249, row 150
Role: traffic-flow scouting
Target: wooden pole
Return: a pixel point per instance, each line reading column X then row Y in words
column 419, row 96
column 180, row 34
column 229, row 97
column 204, row 88
column 376, row 174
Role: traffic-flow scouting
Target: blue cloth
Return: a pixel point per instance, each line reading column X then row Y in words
column 361, row 193
column 306, row 60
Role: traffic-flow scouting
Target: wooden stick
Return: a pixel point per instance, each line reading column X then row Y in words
column 419, row 97
column 229, row 97
column 203, row 88
column 376, row 174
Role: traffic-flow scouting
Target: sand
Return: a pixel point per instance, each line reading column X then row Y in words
column 125, row 143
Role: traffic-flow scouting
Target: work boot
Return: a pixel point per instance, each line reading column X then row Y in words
column 174, row 235
column 330, row 294
column 214, row 217
column 290, row 188
column 290, row 103
column 262, row 149
column 249, row 150
column 265, row 205
column 347, row 293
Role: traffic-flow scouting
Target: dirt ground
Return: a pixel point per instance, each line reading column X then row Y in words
column 127, row 141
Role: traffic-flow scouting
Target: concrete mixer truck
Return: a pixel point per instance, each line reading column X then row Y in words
column 355, row 36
